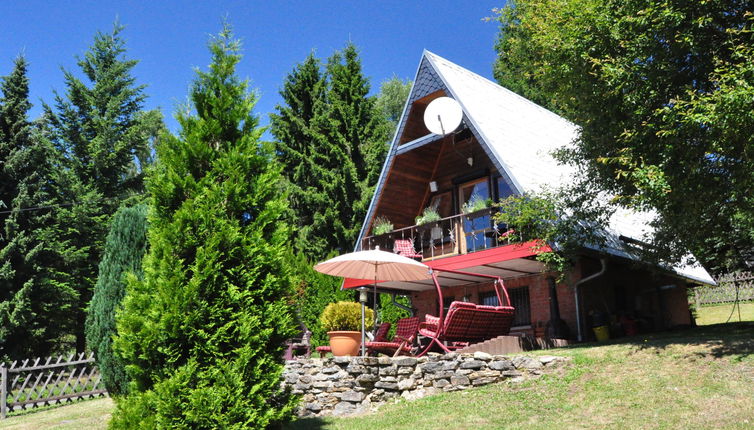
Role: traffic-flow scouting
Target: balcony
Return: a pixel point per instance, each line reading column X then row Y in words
column 454, row 235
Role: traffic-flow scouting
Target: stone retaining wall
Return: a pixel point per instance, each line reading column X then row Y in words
column 351, row 385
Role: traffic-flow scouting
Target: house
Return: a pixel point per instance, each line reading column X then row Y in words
column 503, row 147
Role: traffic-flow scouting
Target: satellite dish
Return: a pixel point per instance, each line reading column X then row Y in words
column 443, row 115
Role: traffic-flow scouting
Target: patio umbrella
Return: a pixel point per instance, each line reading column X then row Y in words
column 374, row 264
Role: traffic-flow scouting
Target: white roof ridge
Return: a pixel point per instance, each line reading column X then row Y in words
column 433, row 57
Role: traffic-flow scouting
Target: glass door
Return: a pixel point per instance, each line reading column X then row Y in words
column 473, row 199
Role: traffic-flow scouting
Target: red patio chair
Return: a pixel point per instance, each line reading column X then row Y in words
column 298, row 346
column 405, row 333
column 405, row 247
column 382, row 332
column 322, row 350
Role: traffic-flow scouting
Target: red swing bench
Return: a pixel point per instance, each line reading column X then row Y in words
column 468, row 323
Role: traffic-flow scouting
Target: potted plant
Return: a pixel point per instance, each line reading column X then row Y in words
column 476, row 203
column 430, row 215
column 342, row 320
column 382, row 225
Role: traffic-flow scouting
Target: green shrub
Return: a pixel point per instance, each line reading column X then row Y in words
column 314, row 291
column 391, row 313
column 124, row 249
column 346, row 316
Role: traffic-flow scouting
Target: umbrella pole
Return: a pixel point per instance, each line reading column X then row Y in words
column 375, row 295
column 362, row 330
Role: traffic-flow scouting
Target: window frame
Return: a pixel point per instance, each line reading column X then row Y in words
column 512, row 293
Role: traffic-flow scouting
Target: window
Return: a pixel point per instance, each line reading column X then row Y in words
column 474, row 190
column 488, row 299
column 502, row 188
column 446, row 301
column 443, row 202
column 475, row 228
column 519, row 299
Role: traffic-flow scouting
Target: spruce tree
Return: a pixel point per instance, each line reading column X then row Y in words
column 332, row 141
column 14, row 128
column 202, row 334
column 34, row 305
column 353, row 149
column 105, row 136
column 297, row 149
column 124, row 250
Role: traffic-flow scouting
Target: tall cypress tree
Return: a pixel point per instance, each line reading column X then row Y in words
column 124, row 250
column 105, row 136
column 34, row 305
column 202, row 334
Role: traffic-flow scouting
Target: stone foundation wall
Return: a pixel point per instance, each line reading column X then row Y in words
column 351, row 385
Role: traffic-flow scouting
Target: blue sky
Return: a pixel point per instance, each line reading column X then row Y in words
column 169, row 38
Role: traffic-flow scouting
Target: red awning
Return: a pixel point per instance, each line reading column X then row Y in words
column 506, row 261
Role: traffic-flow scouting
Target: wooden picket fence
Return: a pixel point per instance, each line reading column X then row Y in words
column 35, row 382
column 731, row 287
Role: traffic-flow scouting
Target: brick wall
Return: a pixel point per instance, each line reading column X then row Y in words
column 656, row 301
column 623, row 289
column 539, row 298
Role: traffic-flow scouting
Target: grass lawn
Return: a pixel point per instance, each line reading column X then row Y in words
column 695, row 378
column 85, row 414
column 716, row 314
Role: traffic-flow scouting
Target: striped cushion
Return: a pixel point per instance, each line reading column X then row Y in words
column 476, row 323
column 405, row 333
column 382, row 332
column 322, row 350
column 406, row 329
column 467, row 305
column 405, row 247
column 388, row 348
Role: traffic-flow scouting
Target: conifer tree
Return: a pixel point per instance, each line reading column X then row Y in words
column 338, row 143
column 34, row 306
column 105, row 137
column 297, row 149
column 14, row 128
column 202, row 334
column 124, row 250
column 357, row 146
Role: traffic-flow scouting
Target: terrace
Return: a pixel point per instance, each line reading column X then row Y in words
column 453, row 235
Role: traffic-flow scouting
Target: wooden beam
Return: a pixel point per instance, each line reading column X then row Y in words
column 507, row 269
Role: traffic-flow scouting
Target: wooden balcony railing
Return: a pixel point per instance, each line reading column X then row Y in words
column 457, row 234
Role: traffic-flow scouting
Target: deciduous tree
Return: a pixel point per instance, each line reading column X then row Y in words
column 663, row 94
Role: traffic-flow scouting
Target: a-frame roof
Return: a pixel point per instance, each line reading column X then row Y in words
column 519, row 137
